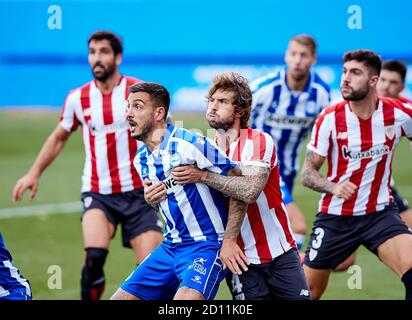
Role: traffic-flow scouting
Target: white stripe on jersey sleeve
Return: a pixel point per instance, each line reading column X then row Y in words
column 249, row 241
column 325, row 129
column 72, row 101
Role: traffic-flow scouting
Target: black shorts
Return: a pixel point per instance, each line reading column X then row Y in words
column 334, row 238
column 401, row 202
column 280, row 279
column 127, row 208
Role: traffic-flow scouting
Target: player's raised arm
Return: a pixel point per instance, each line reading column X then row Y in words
column 50, row 150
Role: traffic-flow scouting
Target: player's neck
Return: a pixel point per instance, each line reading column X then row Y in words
column 225, row 138
column 296, row 85
column 107, row 86
column 154, row 139
column 364, row 108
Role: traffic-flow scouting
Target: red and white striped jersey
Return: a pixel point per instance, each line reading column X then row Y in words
column 265, row 232
column 109, row 149
column 360, row 151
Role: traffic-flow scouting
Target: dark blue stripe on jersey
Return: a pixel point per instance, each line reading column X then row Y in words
column 255, row 113
column 177, row 216
column 290, row 111
column 284, row 137
column 200, row 211
column 218, row 199
column 299, row 141
column 272, row 108
column 143, row 164
column 319, row 80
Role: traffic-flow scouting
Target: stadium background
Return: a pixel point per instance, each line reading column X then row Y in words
column 180, row 44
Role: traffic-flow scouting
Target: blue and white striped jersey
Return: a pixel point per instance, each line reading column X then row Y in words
column 12, row 284
column 287, row 115
column 192, row 212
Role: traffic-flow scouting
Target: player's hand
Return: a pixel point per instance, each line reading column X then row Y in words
column 29, row 181
column 232, row 257
column 188, row 174
column 154, row 192
column 344, row 190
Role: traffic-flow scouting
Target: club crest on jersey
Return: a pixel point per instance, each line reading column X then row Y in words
column 390, row 131
column 175, row 160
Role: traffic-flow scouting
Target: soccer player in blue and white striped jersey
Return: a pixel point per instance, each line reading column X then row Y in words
column 187, row 264
column 285, row 105
column 12, row 285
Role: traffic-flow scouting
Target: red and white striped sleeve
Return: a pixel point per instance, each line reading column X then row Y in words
column 68, row 119
column 406, row 120
column 321, row 133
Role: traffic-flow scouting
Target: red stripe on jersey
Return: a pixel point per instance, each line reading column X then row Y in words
column 259, row 146
column 137, row 182
column 389, row 120
column 274, row 197
column 237, row 154
column 342, row 163
column 356, row 176
column 240, row 242
column 85, row 103
column 111, row 144
column 258, row 231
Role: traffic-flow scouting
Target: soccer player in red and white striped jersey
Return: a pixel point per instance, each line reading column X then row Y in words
column 358, row 137
column 265, row 237
column 112, row 190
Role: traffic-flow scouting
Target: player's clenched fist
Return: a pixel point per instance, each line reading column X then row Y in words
column 344, row 190
column 154, row 192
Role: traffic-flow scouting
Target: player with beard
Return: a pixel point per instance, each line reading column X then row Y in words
column 275, row 271
column 358, row 136
column 285, row 105
column 111, row 190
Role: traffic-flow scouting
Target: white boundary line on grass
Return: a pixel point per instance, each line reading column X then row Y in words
column 42, row 209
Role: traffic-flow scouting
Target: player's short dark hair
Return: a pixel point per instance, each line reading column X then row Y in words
column 115, row 41
column 397, row 66
column 159, row 94
column 306, row 40
column 232, row 81
column 371, row 59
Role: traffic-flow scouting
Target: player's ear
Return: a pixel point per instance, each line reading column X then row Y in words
column 374, row 80
column 160, row 113
column 118, row 59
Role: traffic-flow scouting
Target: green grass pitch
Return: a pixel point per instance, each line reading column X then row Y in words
column 41, row 241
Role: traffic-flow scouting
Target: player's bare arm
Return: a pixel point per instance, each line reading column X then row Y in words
column 231, row 255
column 312, row 179
column 50, row 150
column 246, row 187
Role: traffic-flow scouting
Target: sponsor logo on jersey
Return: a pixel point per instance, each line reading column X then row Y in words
column 169, row 183
column 197, row 279
column 289, row 121
column 198, row 265
column 342, row 135
column 358, row 155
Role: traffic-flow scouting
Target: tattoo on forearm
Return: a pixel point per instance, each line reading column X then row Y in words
column 310, row 175
column 236, row 214
column 245, row 188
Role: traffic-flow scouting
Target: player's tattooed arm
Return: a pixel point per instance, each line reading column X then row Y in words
column 231, row 255
column 310, row 175
column 312, row 179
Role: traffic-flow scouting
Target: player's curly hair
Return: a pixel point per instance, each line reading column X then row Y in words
column 232, row 81
column 370, row 58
